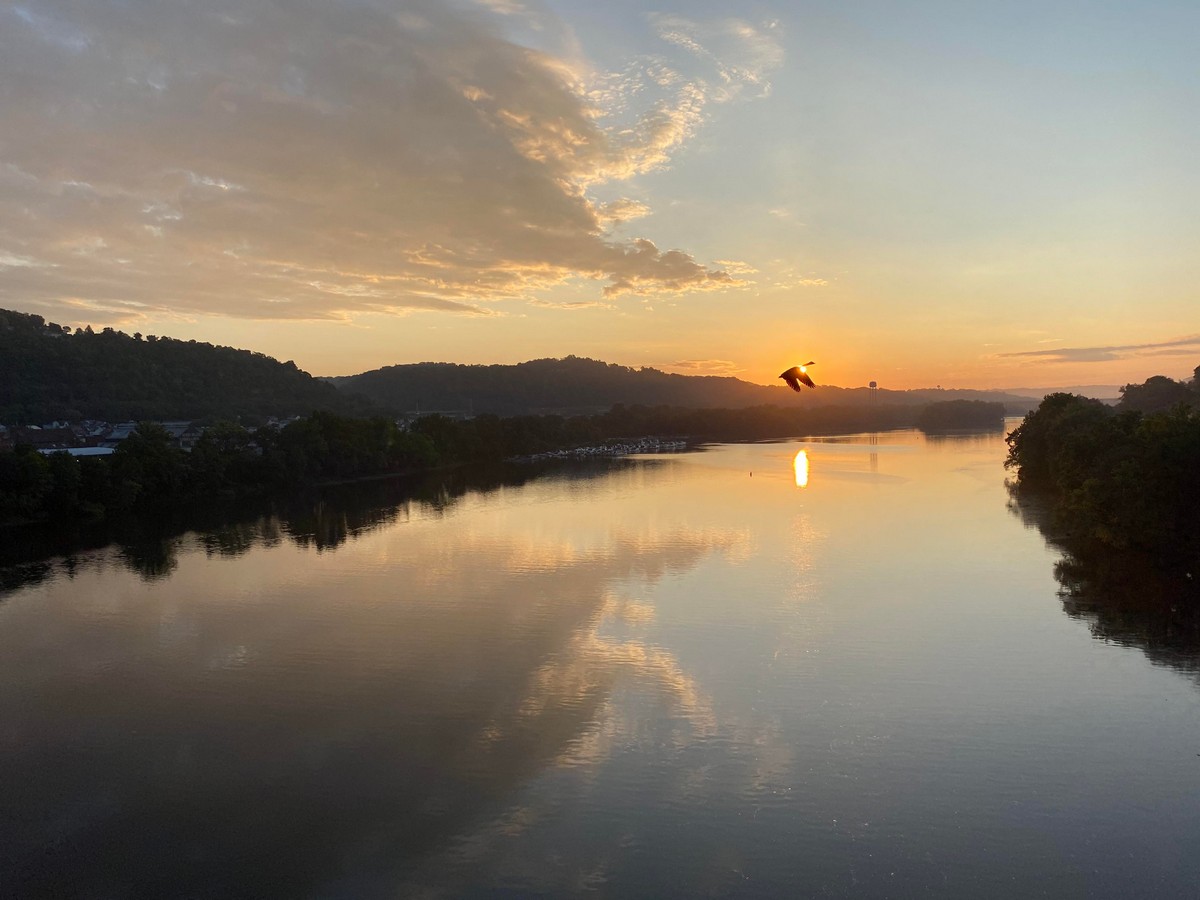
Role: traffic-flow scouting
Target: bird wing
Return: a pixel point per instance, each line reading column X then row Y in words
column 795, row 376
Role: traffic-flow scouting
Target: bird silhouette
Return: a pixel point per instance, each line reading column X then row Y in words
column 798, row 375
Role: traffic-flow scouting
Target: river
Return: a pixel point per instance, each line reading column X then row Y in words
column 838, row 667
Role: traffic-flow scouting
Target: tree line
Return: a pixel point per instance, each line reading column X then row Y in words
column 960, row 414
column 1120, row 479
column 49, row 372
column 146, row 472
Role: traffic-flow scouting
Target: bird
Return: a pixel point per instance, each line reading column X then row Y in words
column 798, row 375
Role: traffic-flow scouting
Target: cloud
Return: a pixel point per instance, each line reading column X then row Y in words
column 571, row 304
column 742, row 54
column 704, row 367
column 622, row 210
column 783, row 276
column 736, row 267
column 265, row 160
column 641, row 268
column 1185, row 346
column 12, row 261
column 504, row 7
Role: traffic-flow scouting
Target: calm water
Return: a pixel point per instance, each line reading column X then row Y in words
column 747, row 671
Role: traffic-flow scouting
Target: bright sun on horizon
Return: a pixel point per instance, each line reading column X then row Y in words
column 965, row 195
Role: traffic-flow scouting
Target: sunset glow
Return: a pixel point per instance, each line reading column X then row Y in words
column 923, row 194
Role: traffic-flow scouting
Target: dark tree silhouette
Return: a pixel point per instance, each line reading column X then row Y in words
column 1155, row 394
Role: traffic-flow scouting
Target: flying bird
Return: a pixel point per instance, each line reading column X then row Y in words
column 798, row 375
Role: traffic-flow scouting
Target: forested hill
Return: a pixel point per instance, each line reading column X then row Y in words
column 48, row 372
column 575, row 385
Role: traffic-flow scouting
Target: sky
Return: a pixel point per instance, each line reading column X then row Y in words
column 944, row 192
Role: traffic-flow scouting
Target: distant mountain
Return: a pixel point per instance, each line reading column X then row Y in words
column 574, row 386
column 48, row 372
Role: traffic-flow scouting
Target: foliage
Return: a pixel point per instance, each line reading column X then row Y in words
column 48, row 372
column 148, row 474
column 1126, row 480
column 26, row 483
column 1045, row 449
column 1158, row 394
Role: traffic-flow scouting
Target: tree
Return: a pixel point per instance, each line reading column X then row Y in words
column 1126, row 480
column 226, row 456
column 1056, row 438
column 63, row 497
column 147, row 468
column 1156, row 394
column 25, row 483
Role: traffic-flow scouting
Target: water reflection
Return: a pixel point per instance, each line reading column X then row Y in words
column 373, row 723
column 974, row 437
column 1125, row 598
column 670, row 680
column 800, row 465
column 319, row 519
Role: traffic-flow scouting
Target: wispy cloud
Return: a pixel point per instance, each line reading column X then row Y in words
column 571, row 304
column 704, row 367
column 784, row 276
column 300, row 161
column 12, row 261
column 736, row 267
column 742, row 54
column 1184, row 346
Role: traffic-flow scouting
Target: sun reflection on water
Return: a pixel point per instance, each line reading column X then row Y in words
column 800, row 464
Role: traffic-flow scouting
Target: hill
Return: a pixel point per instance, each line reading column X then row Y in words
column 578, row 386
column 48, row 372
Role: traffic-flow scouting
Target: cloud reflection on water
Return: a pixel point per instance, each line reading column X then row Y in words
column 375, row 702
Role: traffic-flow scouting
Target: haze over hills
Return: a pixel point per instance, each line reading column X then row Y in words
column 574, row 385
column 1094, row 391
